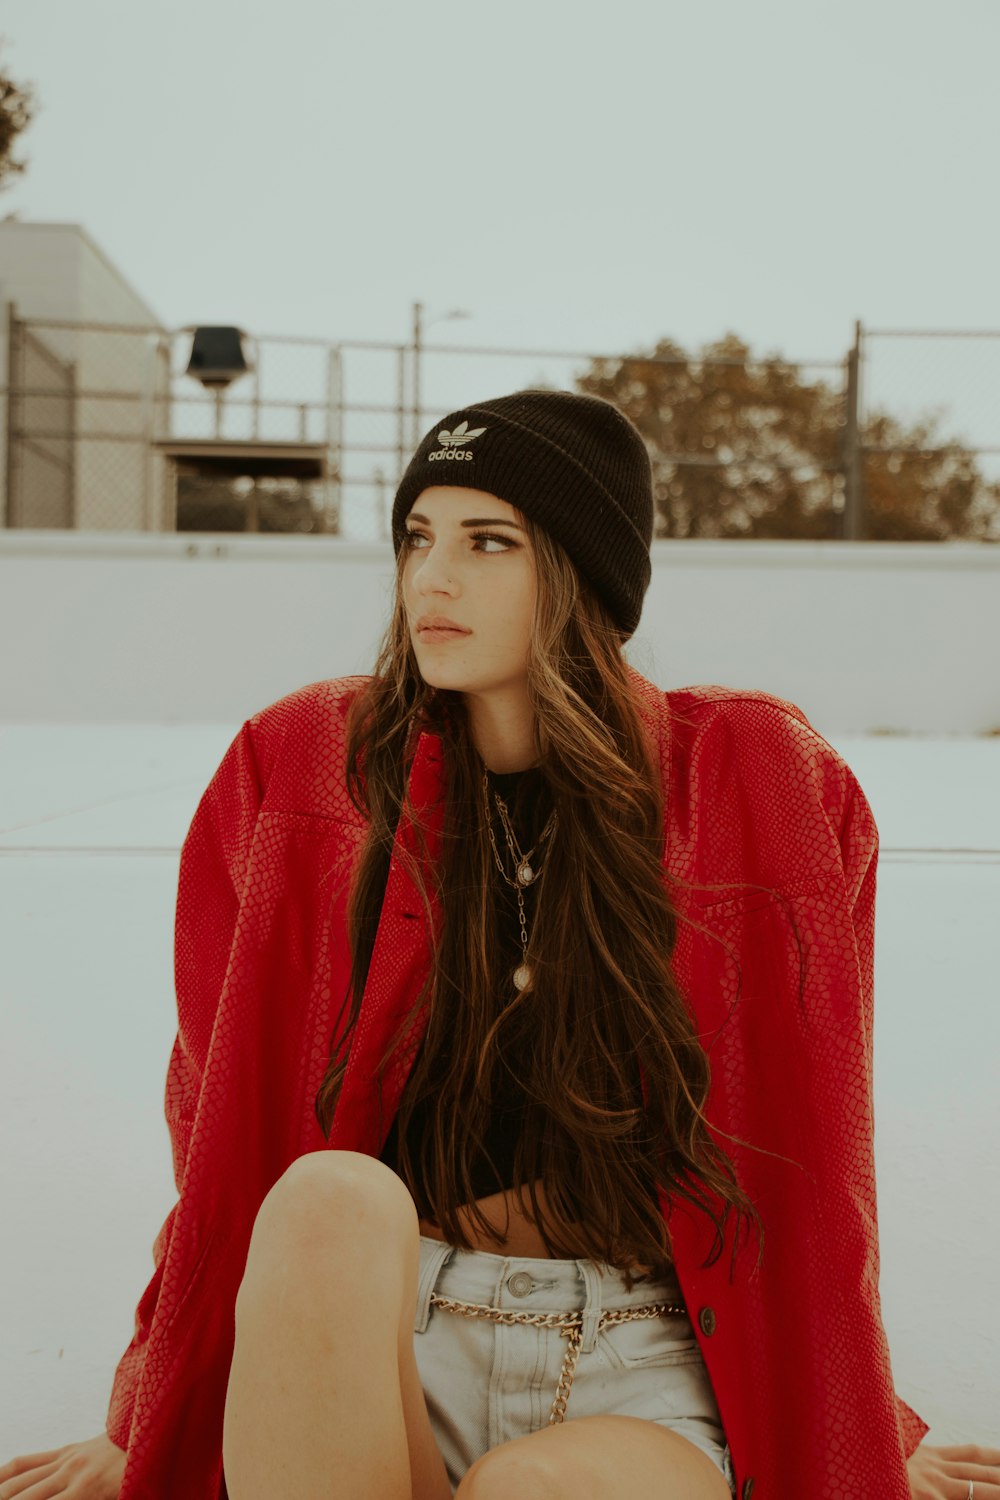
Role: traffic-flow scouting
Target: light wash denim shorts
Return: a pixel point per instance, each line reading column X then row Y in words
column 486, row 1383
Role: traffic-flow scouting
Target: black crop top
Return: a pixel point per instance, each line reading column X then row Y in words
column 523, row 792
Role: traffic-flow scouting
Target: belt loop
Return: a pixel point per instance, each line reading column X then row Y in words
column 432, row 1262
column 592, row 1312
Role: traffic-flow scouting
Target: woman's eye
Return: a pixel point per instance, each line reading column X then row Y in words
column 503, row 543
column 414, row 538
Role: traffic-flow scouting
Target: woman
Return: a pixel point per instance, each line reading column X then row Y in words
column 520, row 1102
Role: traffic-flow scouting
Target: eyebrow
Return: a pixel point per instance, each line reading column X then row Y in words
column 485, row 521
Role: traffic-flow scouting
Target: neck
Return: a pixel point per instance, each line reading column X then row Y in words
column 503, row 730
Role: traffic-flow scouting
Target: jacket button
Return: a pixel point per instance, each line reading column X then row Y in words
column 747, row 1490
column 706, row 1321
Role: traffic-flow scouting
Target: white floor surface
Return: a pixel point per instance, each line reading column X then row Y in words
column 91, row 822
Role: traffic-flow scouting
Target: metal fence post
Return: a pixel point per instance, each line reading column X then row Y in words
column 400, row 412
column 148, row 420
column 75, row 497
column 854, row 496
column 334, row 438
column 418, row 309
column 13, row 381
column 256, row 390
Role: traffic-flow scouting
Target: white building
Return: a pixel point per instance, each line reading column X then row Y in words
column 82, row 401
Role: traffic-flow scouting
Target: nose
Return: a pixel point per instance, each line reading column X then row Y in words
column 432, row 574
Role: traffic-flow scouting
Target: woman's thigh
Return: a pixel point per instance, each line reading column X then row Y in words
column 596, row 1458
column 428, row 1472
column 327, row 1194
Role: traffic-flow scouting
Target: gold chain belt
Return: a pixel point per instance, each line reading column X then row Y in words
column 569, row 1324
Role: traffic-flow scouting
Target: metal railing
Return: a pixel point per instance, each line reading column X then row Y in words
column 104, row 429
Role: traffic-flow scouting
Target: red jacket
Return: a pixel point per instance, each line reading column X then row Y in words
column 796, row 1352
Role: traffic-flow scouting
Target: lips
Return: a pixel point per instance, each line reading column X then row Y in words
column 439, row 627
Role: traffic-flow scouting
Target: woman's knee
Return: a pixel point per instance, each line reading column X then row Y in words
column 508, row 1470
column 329, row 1195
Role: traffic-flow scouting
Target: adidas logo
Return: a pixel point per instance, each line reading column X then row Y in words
column 451, row 442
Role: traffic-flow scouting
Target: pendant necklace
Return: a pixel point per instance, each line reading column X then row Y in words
column 525, row 873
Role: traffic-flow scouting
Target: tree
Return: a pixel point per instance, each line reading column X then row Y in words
column 16, row 112
column 920, row 487
column 744, row 447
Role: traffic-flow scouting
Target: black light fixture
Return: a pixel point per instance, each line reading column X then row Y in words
column 217, row 359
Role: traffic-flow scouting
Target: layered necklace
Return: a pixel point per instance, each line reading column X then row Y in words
column 525, row 872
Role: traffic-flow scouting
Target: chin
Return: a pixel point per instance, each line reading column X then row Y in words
column 449, row 682
column 450, row 677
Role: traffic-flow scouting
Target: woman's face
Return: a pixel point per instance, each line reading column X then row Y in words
column 468, row 587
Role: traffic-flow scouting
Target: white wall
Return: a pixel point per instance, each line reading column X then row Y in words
column 56, row 271
column 118, row 483
column 865, row 637
column 38, row 265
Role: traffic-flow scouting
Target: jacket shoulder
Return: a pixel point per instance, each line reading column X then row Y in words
column 705, row 701
column 691, row 719
column 752, row 721
column 299, row 745
column 753, row 760
column 317, row 705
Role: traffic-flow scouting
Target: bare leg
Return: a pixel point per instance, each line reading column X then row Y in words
column 314, row 1408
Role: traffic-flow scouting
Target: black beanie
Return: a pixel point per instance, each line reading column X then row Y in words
column 574, row 464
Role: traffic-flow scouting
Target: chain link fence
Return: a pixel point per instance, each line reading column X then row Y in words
column 951, row 381
column 40, row 453
column 104, row 428
column 930, row 403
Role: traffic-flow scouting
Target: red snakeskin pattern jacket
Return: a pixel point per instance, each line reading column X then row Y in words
column 796, row 1352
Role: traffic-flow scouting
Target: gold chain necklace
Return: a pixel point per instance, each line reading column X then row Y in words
column 525, row 872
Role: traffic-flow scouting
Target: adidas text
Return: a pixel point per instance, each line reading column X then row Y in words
column 458, row 453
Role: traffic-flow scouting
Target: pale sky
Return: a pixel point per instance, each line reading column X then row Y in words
column 573, row 176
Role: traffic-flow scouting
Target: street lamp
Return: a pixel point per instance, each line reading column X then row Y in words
column 418, row 328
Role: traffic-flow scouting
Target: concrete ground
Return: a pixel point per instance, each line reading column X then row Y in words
column 91, row 822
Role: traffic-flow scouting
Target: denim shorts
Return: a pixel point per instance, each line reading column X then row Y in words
column 486, row 1382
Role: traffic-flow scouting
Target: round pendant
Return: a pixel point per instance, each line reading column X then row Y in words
column 522, row 976
column 525, row 874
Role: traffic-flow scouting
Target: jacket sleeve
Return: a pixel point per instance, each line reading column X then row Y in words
column 213, row 866
column 860, row 842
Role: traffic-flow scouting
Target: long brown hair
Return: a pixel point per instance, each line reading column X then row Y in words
column 603, row 993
